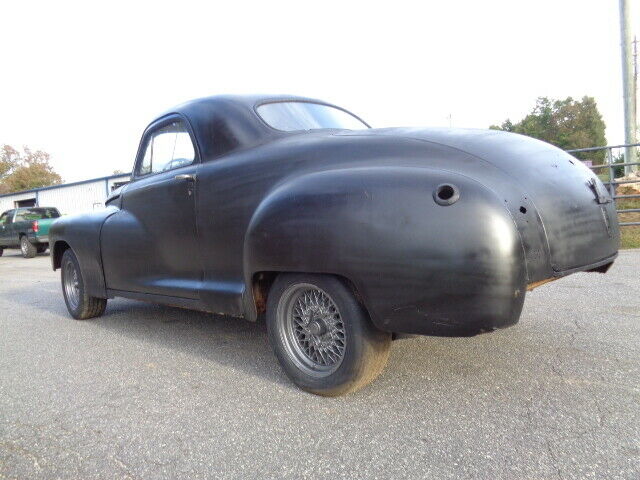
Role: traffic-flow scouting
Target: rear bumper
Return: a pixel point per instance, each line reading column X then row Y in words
column 601, row 266
column 470, row 293
column 38, row 238
column 592, row 267
column 475, row 322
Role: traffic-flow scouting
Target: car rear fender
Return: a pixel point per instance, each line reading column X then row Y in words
column 382, row 229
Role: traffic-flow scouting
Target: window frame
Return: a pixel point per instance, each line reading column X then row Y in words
column 148, row 134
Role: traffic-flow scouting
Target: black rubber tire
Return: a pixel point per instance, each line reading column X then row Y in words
column 88, row 307
column 366, row 349
column 41, row 248
column 1, row 251
column 27, row 248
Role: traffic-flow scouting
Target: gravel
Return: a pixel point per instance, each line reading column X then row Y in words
column 156, row 392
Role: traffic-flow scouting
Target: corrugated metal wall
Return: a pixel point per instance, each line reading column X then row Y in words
column 76, row 198
column 69, row 199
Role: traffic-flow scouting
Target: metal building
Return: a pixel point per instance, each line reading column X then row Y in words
column 68, row 198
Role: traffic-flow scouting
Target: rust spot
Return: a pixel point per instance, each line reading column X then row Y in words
column 261, row 284
column 533, row 285
column 260, row 298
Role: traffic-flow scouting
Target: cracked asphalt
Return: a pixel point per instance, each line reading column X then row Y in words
column 157, row 392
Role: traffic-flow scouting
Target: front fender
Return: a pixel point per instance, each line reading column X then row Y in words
column 418, row 267
column 82, row 234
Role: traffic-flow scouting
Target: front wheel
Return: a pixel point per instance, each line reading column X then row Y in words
column 322, row 336
column 27, row 248
column 80, row 305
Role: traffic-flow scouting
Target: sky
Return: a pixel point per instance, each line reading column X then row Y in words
column 81, row 80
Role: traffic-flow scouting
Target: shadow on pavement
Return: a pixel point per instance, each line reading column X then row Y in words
column 228, row 341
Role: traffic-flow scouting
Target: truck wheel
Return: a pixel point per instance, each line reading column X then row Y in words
column 1, row 251
column 322, row 336
column 41, row 248
column 80, row 305
column 27, row 248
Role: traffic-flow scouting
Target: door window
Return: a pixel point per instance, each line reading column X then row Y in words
column 167, row 148
column 5, row 218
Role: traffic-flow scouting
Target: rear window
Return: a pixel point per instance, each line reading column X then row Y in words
column 36, row 213
column 296, row 115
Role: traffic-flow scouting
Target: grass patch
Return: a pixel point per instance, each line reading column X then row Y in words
column 630, row 236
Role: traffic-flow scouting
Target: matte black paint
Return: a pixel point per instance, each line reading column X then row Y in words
column 357, row 204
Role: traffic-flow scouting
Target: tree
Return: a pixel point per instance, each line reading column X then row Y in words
column 567, row 124
column 25, row 170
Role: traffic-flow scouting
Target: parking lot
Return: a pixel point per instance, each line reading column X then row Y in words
column 158, row 392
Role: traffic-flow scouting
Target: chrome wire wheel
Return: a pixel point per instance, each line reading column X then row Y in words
column 24, row 246
column 311, row 329
column 72, row 285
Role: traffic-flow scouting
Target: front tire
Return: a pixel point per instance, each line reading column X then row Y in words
column 27, row 248
column 80, row 305
column 322, row 336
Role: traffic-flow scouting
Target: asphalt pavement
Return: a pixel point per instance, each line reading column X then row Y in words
column 152, row 392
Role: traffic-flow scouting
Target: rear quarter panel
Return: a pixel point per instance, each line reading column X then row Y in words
column 417, row 266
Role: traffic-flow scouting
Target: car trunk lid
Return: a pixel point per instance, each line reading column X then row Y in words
column 573, row 205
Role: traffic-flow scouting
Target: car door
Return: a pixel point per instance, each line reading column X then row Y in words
column 21, row 224
column 149, row 246
column 6, row 219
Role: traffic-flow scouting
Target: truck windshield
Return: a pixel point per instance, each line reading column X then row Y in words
column 292, row 116
column 36, row 213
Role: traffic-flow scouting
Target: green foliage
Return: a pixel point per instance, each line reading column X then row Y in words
column 25, row 170
column 567, row 124
column 618, row 171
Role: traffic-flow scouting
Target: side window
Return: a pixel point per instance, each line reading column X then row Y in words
column 36, row 213
column 167, row 148
column 4, row 218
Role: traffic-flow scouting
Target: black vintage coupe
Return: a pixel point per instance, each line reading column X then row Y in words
column 345, row 236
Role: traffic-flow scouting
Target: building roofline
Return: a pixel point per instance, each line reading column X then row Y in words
column 62, row 185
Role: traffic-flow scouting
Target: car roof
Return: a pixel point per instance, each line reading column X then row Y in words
column 223, row 123
column 246, row 101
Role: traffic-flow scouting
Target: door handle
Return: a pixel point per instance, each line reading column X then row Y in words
column 186, row 176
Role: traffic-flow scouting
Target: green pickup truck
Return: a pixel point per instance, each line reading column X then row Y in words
column 27, row 229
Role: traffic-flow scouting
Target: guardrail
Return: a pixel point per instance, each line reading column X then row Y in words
column 613, row 183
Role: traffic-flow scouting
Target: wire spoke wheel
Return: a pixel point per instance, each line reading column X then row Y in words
column 71, row 284
column 312, row 329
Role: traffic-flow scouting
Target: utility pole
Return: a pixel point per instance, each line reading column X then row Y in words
column 635, row 84
column 628, row 87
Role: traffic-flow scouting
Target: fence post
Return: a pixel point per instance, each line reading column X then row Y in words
column 612, row 175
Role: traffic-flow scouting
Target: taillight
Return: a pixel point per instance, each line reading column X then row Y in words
column 34, row 226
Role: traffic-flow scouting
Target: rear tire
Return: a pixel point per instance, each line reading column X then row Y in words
column 322, row 336
column 80, row 305
column 27, row 248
